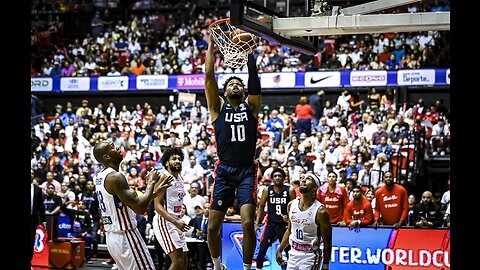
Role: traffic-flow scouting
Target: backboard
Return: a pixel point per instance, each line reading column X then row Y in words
column 299, row 23
column 256, row 16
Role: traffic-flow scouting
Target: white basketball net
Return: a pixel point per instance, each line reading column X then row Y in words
column 235, row 55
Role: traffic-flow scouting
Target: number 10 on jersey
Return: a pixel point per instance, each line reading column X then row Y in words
column 238, row 133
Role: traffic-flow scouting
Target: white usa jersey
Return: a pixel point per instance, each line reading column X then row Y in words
column 303, row 236
column 174, row 196
column 115, row 214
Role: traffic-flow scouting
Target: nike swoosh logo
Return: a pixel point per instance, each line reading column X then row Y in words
column 312, row 81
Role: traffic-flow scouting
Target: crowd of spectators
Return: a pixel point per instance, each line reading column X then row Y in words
column 360, row 141
column 175, row 43
column 358, row 144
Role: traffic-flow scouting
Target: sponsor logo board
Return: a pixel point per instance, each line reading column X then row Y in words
column 278, row 80
column 322, row 79
column 368, row 78
column 41, row 84
column 416, row 77
column 75, row 84
column 152, row 82
column 112, row 83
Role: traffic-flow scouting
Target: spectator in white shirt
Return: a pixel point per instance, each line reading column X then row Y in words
column 193, row 198
column 113, row 71
column 192, row 174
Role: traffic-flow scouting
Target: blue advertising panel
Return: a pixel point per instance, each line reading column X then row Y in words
column 232, row 238
column 359, row 248
column 367, row 248
column 64, row 225
column 278, row 80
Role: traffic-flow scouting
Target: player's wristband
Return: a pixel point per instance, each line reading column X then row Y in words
column 254, row 87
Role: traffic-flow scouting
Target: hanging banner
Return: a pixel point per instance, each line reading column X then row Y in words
column 186, row 99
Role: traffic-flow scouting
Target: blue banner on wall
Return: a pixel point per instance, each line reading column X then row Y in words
column 232, row 239
column 313, row 79
column 367, row 248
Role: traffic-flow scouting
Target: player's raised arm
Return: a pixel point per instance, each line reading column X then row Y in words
column 261, row 208
column 211, row 86
column 323, row 220
column 284, row 241
column 254, row 88
column 116, row 184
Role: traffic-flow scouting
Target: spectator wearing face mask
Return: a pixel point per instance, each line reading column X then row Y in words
column 330, row 154
column 395, row 137
column 201, row 151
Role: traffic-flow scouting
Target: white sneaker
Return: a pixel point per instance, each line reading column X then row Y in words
column 114, row 266
column 224, row 267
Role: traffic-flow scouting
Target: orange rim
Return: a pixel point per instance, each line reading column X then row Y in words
column 226, row 20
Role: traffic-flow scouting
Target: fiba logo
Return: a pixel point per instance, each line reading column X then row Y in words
column 40, row 240
column 277, row 78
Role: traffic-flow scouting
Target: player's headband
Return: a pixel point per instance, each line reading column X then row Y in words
column 314, row 177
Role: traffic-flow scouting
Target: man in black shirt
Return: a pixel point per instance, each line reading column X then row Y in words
column 91, row 202
column 81, row 225
column 426, row 213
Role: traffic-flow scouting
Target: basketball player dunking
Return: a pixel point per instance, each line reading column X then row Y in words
column 234, row 118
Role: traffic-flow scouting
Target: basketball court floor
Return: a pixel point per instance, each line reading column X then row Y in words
column 97, row 265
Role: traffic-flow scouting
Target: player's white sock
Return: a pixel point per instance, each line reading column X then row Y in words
column 216, row 263
column 247, row 266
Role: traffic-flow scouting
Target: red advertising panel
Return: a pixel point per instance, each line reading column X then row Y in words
column 411, row 249
column 40, row 248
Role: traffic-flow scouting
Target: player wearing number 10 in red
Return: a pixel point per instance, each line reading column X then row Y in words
column 234, row 118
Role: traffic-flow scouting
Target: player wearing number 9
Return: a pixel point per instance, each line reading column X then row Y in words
column 277, row 197
column 118, row 205
column 235, row 120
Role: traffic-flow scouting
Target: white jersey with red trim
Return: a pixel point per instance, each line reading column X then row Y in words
column 116, row 215
column 167, row 234
column 174, row 196
column 304, row 235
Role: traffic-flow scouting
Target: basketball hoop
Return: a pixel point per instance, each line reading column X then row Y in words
column 234, row 43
